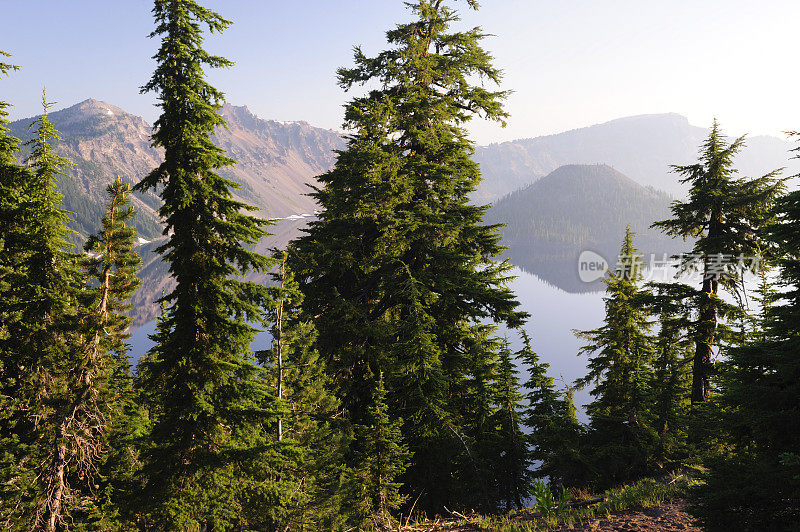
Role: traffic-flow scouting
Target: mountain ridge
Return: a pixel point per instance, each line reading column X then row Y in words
column 275, row 160
column 643, row 147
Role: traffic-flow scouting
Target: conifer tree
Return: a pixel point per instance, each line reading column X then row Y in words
column 620, row 433
column 8, row 143
column 13, row 228
column 381, row 457
column 671, row 309
column 98, row 380
column 554, row 438
column 511, row 454
column 764, row 297
column 398, row 269
column 755, row 485
column 473, row 425
column 311, row 434
column 8, row 203
column 41, row 301
column 212, row 409
column 725, row 214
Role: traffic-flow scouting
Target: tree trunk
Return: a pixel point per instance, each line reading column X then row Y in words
column 279, row 344
column 56, row 490
column 704, row 341
column 57, row 482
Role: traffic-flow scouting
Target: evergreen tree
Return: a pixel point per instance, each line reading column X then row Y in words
column 37, row 350
column 98, row 380
column 620, row 429
column 764, row 296
column 755, row 484
column 398, row 270
column 671, row 386
column 473, row 426
column 312, row 434
column 209, row 452
column 8, row 143
column 725, row 214
column 511, row 458
column 381, row 457
column 555, row 434
column 13, row 228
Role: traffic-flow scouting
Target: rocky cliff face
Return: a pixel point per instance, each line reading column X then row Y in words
column 275, row 163
column 103, row 142
column 276, row 160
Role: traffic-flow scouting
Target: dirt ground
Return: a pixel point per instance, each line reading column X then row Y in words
column 670, row 517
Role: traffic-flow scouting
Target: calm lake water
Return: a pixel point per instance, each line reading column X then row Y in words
column 554, row 315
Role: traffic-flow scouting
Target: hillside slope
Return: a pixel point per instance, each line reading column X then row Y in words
column 579, row 208
column 275, row 160
column 641, row 147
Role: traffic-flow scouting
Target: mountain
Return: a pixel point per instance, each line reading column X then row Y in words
column 641, row 147
column 275, row 163
column 579, row 208
column 549, row 222
column 275, row 160
column 103, row 142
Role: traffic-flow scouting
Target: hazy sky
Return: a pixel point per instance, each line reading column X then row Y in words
column 570, row 63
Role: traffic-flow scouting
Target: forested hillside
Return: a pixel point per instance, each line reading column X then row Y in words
column 574, row 209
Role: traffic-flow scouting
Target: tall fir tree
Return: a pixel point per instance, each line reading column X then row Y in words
column 620, row 369
column 12, row 230
column 725, row 215
column 398, row 270
column 8, row 143
column 755, row 483
column 209, row 438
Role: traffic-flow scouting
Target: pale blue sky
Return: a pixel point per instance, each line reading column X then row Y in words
column 571, row 63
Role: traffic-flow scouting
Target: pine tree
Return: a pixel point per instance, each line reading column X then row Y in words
column 755, row 485
column 671, row 309
column 13, row 229
column 41, row 302
column 398, row 270
column 8, row 144
column 511, row 454
column 473, row 425
column 381, row 457
column 308, row 425
column 725, row 214
column 554, row 438
column 98, row 380
column 764, row 296
column 620, row 367
column 209, row 450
